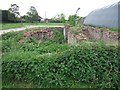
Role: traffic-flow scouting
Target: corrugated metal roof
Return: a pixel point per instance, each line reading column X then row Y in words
column 106, row 16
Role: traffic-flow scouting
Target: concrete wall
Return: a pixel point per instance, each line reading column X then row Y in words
column 72, row 40
column 105, row 35
column 91, row 33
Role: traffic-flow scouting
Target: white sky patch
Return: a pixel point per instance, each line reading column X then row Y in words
column 54, row 7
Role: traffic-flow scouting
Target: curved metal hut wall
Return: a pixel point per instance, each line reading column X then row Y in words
column 107, row 16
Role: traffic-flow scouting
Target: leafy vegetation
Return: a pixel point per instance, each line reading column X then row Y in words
column 72, row 20
column 14, row 9
column 58, row 37
column 32, row 15
column 10, row 42
column 88, row 65
column 59, row 18
column 56, row 64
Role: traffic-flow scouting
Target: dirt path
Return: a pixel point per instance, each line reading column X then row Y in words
column 23, row 28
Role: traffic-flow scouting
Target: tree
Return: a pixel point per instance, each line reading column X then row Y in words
column 14, row 10
column 32, row 15
column 72, row 19
column 59, row 18
column 62, row 17
column 23, row 18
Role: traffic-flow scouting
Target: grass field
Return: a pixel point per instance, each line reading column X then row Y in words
column 4, row 26
column 18, row 25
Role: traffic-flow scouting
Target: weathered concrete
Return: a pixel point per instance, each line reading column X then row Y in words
column 89, row 33
column 98, row 34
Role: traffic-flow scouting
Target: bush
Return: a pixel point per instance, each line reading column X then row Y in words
column 10, row 41
column 58, row 37
column 90, row 64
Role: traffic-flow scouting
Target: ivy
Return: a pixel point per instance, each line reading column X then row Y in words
column 80, row 63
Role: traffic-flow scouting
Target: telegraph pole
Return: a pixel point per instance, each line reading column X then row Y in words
column 45, row 17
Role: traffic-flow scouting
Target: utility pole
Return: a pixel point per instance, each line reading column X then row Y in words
column 46, row 17
column 45, row 14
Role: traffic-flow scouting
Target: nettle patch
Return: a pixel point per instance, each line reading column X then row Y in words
column 90, row 64
column 41, row 34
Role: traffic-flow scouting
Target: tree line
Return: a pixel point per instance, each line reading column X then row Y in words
column 13, row 15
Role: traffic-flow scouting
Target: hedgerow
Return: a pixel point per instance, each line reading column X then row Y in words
column 92, row 64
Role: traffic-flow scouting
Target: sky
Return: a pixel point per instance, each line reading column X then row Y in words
column 54, row 7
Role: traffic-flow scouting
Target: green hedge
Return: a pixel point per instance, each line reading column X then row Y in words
column 89, row 64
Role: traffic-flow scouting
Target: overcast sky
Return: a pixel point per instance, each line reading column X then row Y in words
column 54, row 7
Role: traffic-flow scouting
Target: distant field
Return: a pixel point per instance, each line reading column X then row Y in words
column 115, row 29
column 18, row 25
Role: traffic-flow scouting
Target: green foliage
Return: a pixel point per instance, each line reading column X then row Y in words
column 89, row 64
column 10, row 41
column 58, row 36
column 59, row 18
column 32, row 15
column 50, row 64
column 14, row 9
column 72, row 19
column 14, row 12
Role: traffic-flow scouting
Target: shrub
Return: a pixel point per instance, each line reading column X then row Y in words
column 10, row 41
column 90, row 64
column 58, row 36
